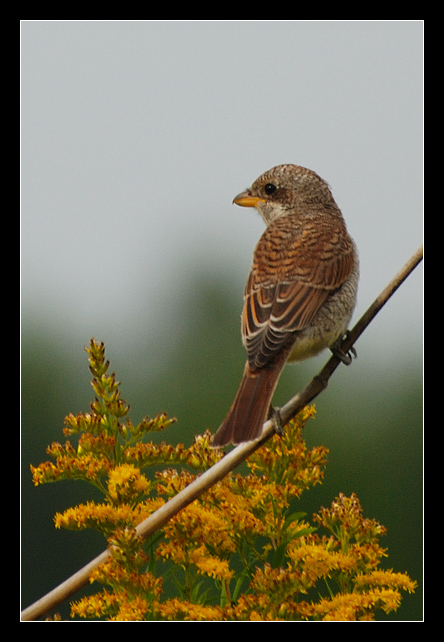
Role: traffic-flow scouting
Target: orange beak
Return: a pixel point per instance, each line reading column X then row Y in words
column 245, row 199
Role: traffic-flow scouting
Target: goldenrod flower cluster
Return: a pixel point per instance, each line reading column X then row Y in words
column 242, row 551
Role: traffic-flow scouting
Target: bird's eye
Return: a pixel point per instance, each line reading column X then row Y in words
column 270, row 188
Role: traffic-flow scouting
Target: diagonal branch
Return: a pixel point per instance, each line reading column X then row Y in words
column 202, row 483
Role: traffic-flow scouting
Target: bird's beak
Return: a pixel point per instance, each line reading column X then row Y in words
column 245, row 199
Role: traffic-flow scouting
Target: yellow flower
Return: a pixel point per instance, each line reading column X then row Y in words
column 385, row 578
column 357, row 606
column 126, row 483
column 132, row 609
column 94, row 606
column 92, row 515
column 175, row 609
column 210, row 565
column 193, row 527
column 315, row 561
column 240, row 544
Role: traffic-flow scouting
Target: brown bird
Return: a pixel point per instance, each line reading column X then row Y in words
column 300, row 293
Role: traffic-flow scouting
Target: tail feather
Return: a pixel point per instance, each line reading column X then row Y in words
column 251, row 406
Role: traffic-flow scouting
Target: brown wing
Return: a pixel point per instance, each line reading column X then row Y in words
column 295, row 268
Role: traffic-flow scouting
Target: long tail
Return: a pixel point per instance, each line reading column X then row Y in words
column 251, row 405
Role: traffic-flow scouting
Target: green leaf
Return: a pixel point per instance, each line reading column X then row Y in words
column 294, row 517
column 278, row 555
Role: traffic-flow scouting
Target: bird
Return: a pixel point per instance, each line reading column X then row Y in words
column 300, row 294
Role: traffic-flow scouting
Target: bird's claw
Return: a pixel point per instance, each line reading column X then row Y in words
column 275, row 416
column 345, row 357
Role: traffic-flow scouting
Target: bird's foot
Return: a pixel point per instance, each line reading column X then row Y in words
column 345, row 357
column 275, row 416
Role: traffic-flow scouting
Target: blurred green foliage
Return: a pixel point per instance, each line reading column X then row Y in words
column 370, row 419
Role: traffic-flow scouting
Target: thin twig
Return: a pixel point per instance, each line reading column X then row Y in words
column 202, row 483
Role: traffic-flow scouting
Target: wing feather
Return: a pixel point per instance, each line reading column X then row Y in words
column 295, row 269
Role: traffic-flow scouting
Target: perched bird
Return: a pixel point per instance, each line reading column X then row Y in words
column 300, row 293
